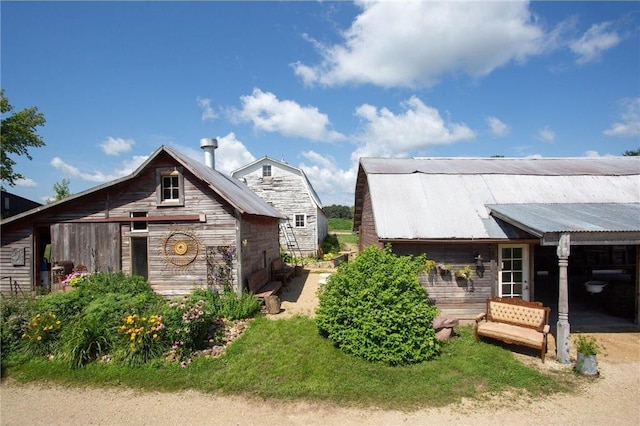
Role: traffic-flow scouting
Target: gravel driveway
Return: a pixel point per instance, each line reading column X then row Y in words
column 611, row 399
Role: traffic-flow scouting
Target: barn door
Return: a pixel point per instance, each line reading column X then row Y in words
column 139, row 257
column 513, row 274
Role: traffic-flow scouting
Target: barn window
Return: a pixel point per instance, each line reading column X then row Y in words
column 170, row 186
column 138, row 225
column 300, row 221
column 266, row 170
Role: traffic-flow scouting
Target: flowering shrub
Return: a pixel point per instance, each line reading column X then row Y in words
column 42, row 334
column 74, row 279
column 188, row 323
column 142, row 337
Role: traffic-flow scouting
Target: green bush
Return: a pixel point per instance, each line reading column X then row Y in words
column 65, row 305
column 189, row 321
column 375, row 308
column 92, row 333
column 140, row 339
column 232, row 307
column 85, row 340
column 42, row 335
column 100, row 283
column 330, row 244
column 15, row 314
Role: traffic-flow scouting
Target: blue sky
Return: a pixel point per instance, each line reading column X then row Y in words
column 318, row 84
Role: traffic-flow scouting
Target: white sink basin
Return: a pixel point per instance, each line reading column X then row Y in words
column 594, row 287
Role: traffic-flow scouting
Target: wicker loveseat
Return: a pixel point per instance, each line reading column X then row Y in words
column 515, row 321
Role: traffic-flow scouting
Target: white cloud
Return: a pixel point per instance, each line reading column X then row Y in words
column 594, row 42
column 498, row 128
column 128, row 166
column 232, row 154
column 207, row 110
column 417, row 127
column 116, row 146
column 333, row 185
column 629, row 124
column 269, row 114
column 546, row 134
column 415, row 43
column 26, row 182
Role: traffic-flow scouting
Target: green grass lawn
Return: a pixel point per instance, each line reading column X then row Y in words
column 289, row 360
column 336, row 224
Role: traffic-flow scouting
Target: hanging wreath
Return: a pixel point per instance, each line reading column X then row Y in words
column 180, row 248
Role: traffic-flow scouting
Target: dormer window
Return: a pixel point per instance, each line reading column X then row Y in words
column 170, row 187
column 266, row 170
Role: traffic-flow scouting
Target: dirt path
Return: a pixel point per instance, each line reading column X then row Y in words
column 611, row 399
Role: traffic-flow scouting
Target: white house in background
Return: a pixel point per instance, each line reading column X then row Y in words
column 289, row 191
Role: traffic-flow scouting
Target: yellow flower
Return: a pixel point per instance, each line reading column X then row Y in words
column 155, row 336
column 133, row 336
column 39, row 338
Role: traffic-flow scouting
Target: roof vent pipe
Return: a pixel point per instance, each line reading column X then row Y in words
column 209, row 145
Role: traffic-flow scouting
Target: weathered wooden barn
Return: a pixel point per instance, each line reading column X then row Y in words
column 288, row 189
column 12, row 204
column 538, row 229
column 175, row 221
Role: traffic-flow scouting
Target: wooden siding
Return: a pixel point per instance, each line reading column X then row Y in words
column 214, row 223
column 259, row 239
column 16, row 239
column 94, row 245
column 287, row 192
column 219, row 229
column 461, row 298
column 367, row 229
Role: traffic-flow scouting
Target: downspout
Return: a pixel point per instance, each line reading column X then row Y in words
column 563, row 327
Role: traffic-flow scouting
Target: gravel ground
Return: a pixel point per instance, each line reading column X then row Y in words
column 610, row 399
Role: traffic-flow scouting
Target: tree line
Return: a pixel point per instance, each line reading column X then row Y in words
column 336, row 211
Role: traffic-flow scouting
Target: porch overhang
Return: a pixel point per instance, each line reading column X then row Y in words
column 588, row 224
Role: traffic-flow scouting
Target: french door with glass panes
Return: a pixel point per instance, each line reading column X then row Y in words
column 513, row 274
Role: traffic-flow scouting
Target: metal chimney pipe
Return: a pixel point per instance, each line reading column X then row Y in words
column 209, row 146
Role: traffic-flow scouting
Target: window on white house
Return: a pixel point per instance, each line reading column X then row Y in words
column 300, row 221
column 266, row 170
column 170, row 187
column 138, row 225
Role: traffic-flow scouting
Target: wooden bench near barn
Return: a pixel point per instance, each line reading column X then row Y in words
column 280, row 271
column 260, row 285
column 515, row 321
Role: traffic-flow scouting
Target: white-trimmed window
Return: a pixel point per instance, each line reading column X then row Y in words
column 266, row 170
column 170, row 186
column 138, row 225
column 300, row 221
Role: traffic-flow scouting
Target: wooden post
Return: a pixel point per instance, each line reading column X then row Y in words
column 563, row 327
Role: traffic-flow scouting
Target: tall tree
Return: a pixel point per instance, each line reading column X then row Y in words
column 61, row 190
column 17, row 135
column 632, row 153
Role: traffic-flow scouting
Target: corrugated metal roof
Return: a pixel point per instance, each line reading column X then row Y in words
column 441, row 204
column 614, row 166
column 548, row 218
